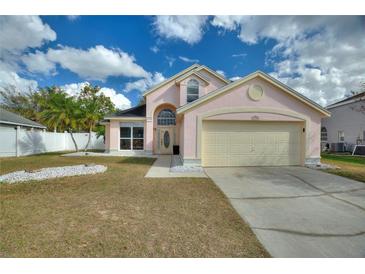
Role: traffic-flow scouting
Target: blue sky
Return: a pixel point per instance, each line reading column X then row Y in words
column 136, row 35
column 126, row 55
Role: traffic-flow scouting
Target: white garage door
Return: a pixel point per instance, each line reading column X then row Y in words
column 237, row 143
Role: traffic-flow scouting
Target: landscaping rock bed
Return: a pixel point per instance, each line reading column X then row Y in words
column 51, row 172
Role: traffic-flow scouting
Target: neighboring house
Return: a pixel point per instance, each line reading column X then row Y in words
column 211, row 121
column 346, row 126
column 10, row 119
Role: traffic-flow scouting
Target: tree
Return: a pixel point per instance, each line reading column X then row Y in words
column 23, row 103
column 62, row 112
column 142, row 100
column 57, row 110
column 361, row 106
column 94, row 105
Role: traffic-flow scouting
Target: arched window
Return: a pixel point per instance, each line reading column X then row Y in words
column 323, row 134
column 192, row 91
column 166, row 117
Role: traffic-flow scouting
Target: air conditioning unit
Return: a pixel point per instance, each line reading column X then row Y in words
column 338, row 147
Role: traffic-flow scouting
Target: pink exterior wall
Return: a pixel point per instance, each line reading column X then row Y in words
column 174, row 95
column 114, row 135
column 184, row 85
column 238, row 97
column 107, row 137
column 181, row 136
column 253, row 116
column 214, row 82
column 167, row 94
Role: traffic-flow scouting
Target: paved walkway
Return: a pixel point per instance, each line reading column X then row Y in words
column 161, row 168
column 297, row 211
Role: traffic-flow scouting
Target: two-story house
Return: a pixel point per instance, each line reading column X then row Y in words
column 346, row 126
column 211, row 121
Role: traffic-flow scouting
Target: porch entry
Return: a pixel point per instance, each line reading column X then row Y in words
column 165, row 140
column 165, row 131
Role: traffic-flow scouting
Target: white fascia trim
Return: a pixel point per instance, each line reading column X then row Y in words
column 18, row 124
column 215, row 74
column 170, row 79
column 194, row 72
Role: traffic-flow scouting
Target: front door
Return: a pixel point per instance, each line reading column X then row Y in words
column 165, row 141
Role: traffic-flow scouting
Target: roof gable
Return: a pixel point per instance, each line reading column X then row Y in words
column 243, row 80
column 192, row 69
column 170, row 79
column 193, row 72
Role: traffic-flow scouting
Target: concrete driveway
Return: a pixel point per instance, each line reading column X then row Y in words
column 297, row 211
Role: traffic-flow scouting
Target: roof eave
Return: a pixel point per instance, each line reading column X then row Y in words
column 261, row 74
column 340, row 104
column 125, row 118
column 21, row 124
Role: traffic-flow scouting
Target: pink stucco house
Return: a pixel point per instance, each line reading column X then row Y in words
column 211, row 121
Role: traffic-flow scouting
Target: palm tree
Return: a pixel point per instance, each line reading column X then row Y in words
column 62, row 112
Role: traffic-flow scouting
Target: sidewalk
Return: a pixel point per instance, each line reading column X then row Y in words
column 161, row 169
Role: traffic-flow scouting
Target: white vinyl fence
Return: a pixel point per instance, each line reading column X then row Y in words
column 20, row 141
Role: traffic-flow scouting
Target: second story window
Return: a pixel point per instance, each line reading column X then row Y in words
column 192, row 91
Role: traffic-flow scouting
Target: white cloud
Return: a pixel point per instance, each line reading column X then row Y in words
column 18, row 33
column 316, row 55
column 188, row 60
column 119, row 100
column 228, row 22
column 8, row 77
column 73, row 17
column 187, row 28
column 154, row 49
column 221, row 72
column 235, row 78
column 242, row 55
column 146, row 83
column 170, row 61
column 38, row 62
column 96, row 63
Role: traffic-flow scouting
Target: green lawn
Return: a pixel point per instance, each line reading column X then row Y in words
column 118, row 214
column 352, row 167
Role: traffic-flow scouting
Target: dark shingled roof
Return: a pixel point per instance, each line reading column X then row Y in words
column 10, row 118
column 356, row 96
column 138, row 111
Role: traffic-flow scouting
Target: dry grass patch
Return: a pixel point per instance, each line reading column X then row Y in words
column 118, row 214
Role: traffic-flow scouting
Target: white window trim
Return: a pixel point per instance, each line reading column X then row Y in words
column 324, row 133
column 167, row 118
column 338, row 136
column 187, row 87
column 131, row 126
